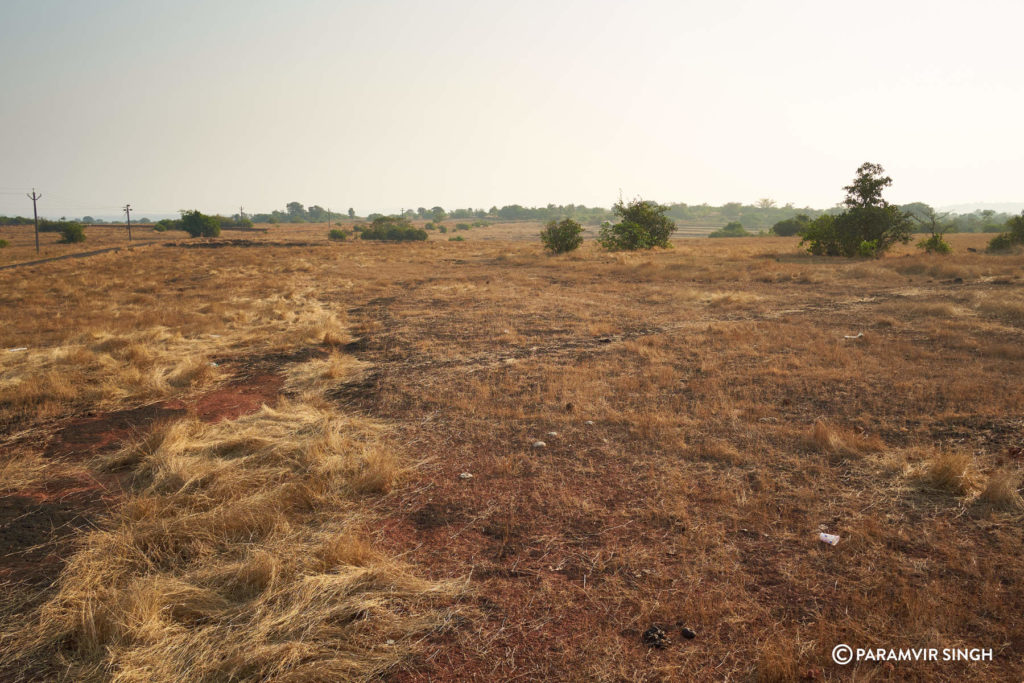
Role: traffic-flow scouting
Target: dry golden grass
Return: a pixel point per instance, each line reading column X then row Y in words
column 704, row 416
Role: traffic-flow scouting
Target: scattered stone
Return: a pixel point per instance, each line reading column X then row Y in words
column 589, row 423
column 539, row 444
column 605, row 340
column 552, row 434
column 655, row 636
column 569, row 407
column 688, row 633
column 465, row 475
column 390, row 642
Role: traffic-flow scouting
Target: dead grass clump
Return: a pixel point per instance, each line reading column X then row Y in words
column 1002, row 492
column 1006, row 310
column 952, row 472
column 824, row 437
column 216, row 567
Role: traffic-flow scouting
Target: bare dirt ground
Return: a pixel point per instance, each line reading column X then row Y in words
column 705, row 413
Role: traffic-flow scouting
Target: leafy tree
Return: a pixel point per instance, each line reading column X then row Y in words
column 438, row 214
column 644, row 225
column 351, row 212
column 869, row 226
column 296, row 212
column 766, row 203
column 199, row 225
column 562, row 236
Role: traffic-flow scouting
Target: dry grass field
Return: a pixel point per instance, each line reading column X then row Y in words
column 227, row 462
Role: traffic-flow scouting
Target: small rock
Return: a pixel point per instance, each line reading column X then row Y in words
column 655, row 636
column 465, row 475
column 552, row 434
column 589, row 423
column 569, row 407
column 688, row 633
column 539, row 444
column 390, row 642
column 605, row 340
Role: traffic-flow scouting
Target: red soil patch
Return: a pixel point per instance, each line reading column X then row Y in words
column 238, row 399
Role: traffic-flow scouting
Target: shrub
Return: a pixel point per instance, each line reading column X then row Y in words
column 868, row 227
column 862, row 231
column 457, row 238
column 462, row 226
column 167, row 224
column 935, row 245
column 72, row 232
column 337, row 235
column 791, row 226
column 3, row 244
column 443, row 229
column 562, row 236
column 199, row 225
column 393, row 228
column 1014, row 235
column 643, row 226
column 731, row 230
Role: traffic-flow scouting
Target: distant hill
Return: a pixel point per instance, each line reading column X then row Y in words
column 1005, row 207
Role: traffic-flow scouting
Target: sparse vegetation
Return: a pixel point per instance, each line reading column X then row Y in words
column 336, row 235
column 559, row 237
column 704, row 419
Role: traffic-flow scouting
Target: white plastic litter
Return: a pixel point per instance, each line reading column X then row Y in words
column 589, row 423
column 831, row 539
column 539, row 444
column 552, row 433
column 859, row 335
column 465, row 475
column 20, row 348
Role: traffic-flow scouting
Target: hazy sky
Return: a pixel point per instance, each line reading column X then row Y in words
column 396, row 104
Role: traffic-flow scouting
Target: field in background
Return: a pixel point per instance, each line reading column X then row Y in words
column 22, row 237
column 705, row 411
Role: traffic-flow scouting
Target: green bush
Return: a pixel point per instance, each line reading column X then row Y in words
column 1013, row 237
column 336, row 235
column 877, row 227
column 72, row 232
column 462, row 226
column 644, row 225
column 457, row 238
column 731, row 230
column 3, row 244
column 199, row 225
column 935, row 245
column 393, row 229
column 868, row 227
column 560, row 237
column 791, row 226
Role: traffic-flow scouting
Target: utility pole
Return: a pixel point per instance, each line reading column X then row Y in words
column 35, row 214
column 128, row 213
column 241, row 214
